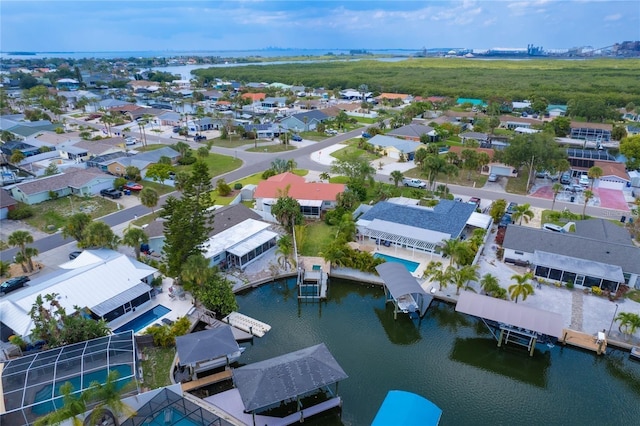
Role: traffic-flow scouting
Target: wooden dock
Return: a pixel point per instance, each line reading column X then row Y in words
column 584, row 341
column 313, row 278
column 206, row 381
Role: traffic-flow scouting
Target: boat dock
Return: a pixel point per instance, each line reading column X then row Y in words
column 247, row 324
column 207, row 380
column 597, row 343
column 208, row 318
column 313, row 278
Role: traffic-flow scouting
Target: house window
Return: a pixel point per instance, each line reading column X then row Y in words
column 519, row 252
column 117, row 169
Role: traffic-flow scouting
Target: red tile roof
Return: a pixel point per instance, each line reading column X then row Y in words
column 299, row 189
column 609, row 168
column 254, row 96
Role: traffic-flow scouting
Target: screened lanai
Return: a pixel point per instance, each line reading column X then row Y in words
column 405, row 236
column 31, row 384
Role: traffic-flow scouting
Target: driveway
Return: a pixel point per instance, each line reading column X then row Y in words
column 498, row 186
column 611, row 199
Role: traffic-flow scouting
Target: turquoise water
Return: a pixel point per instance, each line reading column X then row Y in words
column 43, row 396
column 177, row 419
column 411, row 266
column 448, row 358
column 141, row 321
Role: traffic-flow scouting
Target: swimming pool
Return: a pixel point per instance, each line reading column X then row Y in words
column 141, row 321
column 411, row 266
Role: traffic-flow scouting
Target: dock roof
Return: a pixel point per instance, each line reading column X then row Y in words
column 403, row 408
column 399, row 280
column 271, row 381
column 206, row 345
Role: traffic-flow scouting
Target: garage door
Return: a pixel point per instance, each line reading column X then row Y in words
column 392, row 153
column 610, row 184
column 501, row 171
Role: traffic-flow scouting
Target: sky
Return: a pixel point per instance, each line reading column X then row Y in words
column 118, row 25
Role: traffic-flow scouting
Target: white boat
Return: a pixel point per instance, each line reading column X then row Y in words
column 219, row 362
column 406, row 303
column 635, row 352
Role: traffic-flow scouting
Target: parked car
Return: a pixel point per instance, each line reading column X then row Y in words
column 565, row 179
column 511, row 208
column 296, row 138
column 584, row 180
column 176, row 129
column 475, row 200
column 13, row 284
column 414, row 183
column 111, row 193
column 198, row 138
column 366, row 135
column 331, row 132
column 505, row 221
column 130, row 141
column 132, row 186
column 74, row 254
column 574, row 188
column 493, row 177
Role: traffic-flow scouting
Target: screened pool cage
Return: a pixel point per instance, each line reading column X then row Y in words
column 31, row 384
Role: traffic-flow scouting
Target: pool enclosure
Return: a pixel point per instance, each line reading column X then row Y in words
column 31, row 384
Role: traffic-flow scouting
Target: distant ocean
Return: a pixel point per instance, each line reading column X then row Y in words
column 267, row 53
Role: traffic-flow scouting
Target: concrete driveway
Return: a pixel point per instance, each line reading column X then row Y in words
column 498, row 186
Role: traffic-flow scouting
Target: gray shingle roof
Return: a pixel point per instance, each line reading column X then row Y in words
column 229, row 216
column 526, row 239
column 402, row 145
column 411, row 130
column 449, row 217
column 603, row 230
column 72, row 177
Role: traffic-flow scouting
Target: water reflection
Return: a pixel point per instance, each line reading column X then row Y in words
column 400, row 331
column 507, row 361
column 447, row 317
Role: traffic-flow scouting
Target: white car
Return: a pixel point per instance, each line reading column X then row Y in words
column 493, row 177
column 130, row 141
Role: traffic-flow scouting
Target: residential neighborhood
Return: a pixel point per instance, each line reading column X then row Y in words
column 154, row 220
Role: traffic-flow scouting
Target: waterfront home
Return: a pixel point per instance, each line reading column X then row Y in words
column 599, row 254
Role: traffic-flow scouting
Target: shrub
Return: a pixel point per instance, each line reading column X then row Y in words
column 596, row 290
column 22, row 212
column 570, row 285
column 185, row 161
column 268, row 173
column 223, row 188
column 237, row 186
column 119, row 182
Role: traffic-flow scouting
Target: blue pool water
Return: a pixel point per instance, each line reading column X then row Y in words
column 141, row 321
column 411, row 266
column 177, row 418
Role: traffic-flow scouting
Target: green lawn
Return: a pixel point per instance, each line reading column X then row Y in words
column 218, row 164
column 234, row 142
column 318, row 236
column 352, row 148
column 272, row 148
column 151, row 147
column 634, row 295
column 157, row 367
column 157, row 186
column 51, row 215
column 518, row 185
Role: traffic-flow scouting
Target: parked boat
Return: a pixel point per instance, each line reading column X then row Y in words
column 635, row 352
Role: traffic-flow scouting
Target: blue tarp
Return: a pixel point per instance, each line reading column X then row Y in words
column 406, row 409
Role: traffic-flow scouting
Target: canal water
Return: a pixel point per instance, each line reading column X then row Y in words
column 447, row 357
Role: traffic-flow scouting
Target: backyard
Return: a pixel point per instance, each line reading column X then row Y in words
column 156, row 366
column 49, row 216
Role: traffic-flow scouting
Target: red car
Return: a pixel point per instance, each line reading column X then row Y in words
column 132, row 186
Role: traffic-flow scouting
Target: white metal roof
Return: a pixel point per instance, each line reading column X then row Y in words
column 479, row 220
column 407, row 231
column 98, row 276
column 249, row 244
column 582, row 266
column 233, row 236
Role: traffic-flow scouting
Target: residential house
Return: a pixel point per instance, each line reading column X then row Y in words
column 614, row 175
column 599, row 254
column 102, row 146
column 22, row 129
column 499, row 169
column 593, row 132
column 212, row 95
column 263, row 131
column 395, row 148
column 270, row 103
column 69, row 84
column 254, row 97
column 7, row 203
column 107, row 284
column 414, row 132
column 416, row 228
column 304, row 121
column 581, row 160
column 313, row 197
column 405, row 98
column 633, row 130
column 556, row 110
column 472, row 101
column 72, row 98
column 354, row 95
column 118, row 166
column 26, row 149
column 476, row 136
column 170, row 118
column 143, row 86
column 73, row 181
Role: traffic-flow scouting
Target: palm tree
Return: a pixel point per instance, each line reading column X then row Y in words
column 460, row 277
column 556, row 190
column 588, row 195
column 396, row 176
column 20, row 239
column 453, row 249
column 110, row 406
column 523, row 211
column 195, row 272
column 629, row 321
column 522, row 287
column 594, row 173
column 434, row 272
column 202, row 152
column 134, row 237
column 74, row 405
column 489, row 284
column 149, row 198
column 285, row 251
column 325, row 176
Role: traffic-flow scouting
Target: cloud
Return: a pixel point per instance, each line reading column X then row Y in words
column 614, row 17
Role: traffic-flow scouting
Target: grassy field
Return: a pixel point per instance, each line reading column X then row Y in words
column 272, row 148
column 518, row 185
column 318, row 235
column 51, row 215
column 352, row 148
column 218, row 164
column 157, row 366
column 558, row 81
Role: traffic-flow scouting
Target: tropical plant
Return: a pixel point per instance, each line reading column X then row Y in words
column 396, row 176
column 325, row 176
column 629, row 322
column 497, row 209
column 20, row 239
column 461, row 276
column 491, row 287
column 76, row 224
column 522, row 287
column 588, row 195
column 452, row 248
column 149, row 198
column 99, row 235
column 522, row 211
column 284, row 252
column 134, row 237
column 434, row 272
column 74, row 406
column 594, row 173
column 556, row 188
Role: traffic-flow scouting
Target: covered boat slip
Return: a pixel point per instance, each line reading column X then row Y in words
column 284, row 380
column 403, row 289
column 207, row 349
column 518, row 324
